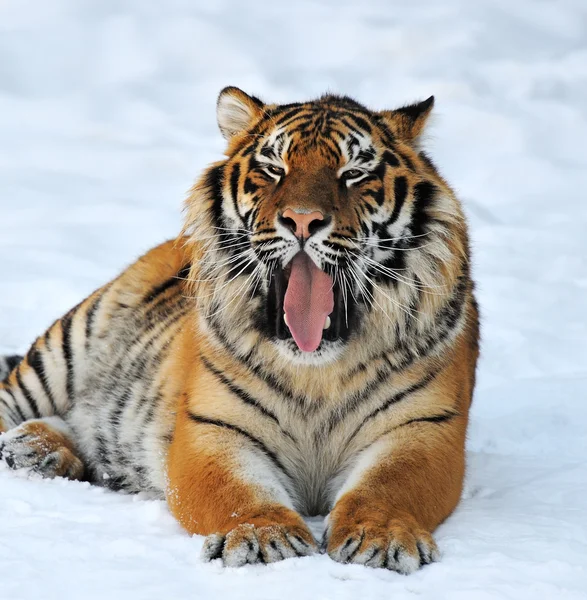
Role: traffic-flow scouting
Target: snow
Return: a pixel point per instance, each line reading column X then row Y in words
column 107, row 114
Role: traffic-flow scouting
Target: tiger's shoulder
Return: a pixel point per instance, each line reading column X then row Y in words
column 162, row 268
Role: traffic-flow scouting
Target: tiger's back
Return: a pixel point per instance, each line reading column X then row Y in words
column 103, row 368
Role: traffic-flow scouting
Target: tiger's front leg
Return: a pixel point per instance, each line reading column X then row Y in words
column 224, row 486
column 400, row 490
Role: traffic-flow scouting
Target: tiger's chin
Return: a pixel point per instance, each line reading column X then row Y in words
column 326, row 353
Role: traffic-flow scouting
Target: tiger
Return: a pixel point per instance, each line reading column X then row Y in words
column 306, row 346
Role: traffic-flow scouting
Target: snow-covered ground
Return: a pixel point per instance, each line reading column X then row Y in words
column 107, row 114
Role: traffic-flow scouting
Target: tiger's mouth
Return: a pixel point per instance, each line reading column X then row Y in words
column 305, row 304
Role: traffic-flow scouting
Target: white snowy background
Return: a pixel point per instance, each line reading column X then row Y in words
column 107, row 114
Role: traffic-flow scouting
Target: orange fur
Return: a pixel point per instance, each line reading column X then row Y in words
column 205, row 495
column 246, row 439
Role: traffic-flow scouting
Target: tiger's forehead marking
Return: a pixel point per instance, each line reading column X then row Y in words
column 358, row 148
column 276, row 144
column 320, row 127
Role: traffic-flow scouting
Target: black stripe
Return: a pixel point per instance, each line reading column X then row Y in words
column 390, row 158
column 282, row 117
column 387, row 135
column 153, row 397
column 165, row 308
column 119, row 406
column 350, row 234
column 214, row 181
column 400, row 191
column 234, row 179
column 416, row 387
column 149, row 337
column 446, row 320
column 441, row 418
column 66, row 325
column 448, row 415
column 267, row 151
column 382, row 374
column 330, row 152
column 363, row 366
column 177, row 279
column 256, row 441
column 251, row 217
column 335, row 245
column 12, row 361
column 347, row 106
column 273, row 383
column 384, row 356
column 407, row 160
column 243, row 395
column 149, row 415
column 428, row 162
column 184, row 272
column 15, row 406
column 35, row 361
column 351, row 142
column 167, row 321
column 424, row 193
column 370, row 209
column 101, row 449
column 396, row 262
column 360, row 122
column 161, row 289
column 28, row 396
column 248, row 150
column 449, row 315
column 250, row 186
column 129, row 374
column 377, row 195
column 11, row 412
column 90, row 316
column 263, row 230
column 297, row 124
column 267, row 378
column 366, row 155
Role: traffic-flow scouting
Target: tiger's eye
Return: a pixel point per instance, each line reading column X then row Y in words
column 352, row 174
column 275, row 170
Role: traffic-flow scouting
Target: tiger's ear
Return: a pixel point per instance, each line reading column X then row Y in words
column 407, row 123
column 236, row 111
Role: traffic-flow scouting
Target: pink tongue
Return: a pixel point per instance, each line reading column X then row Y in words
column 308, row 301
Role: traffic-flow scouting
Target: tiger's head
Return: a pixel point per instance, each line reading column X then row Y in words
column 325, row 224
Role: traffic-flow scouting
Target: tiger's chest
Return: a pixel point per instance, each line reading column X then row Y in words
column 315, row 453
column 312, row 443
column 311, row 467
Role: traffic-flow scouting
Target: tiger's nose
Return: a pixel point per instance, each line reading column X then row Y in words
column 303, row 225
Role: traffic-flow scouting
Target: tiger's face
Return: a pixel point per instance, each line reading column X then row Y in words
column 320, row 217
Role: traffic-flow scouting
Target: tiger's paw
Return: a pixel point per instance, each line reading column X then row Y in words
column 262, row 543
column 44, row 447
column 399, row 545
